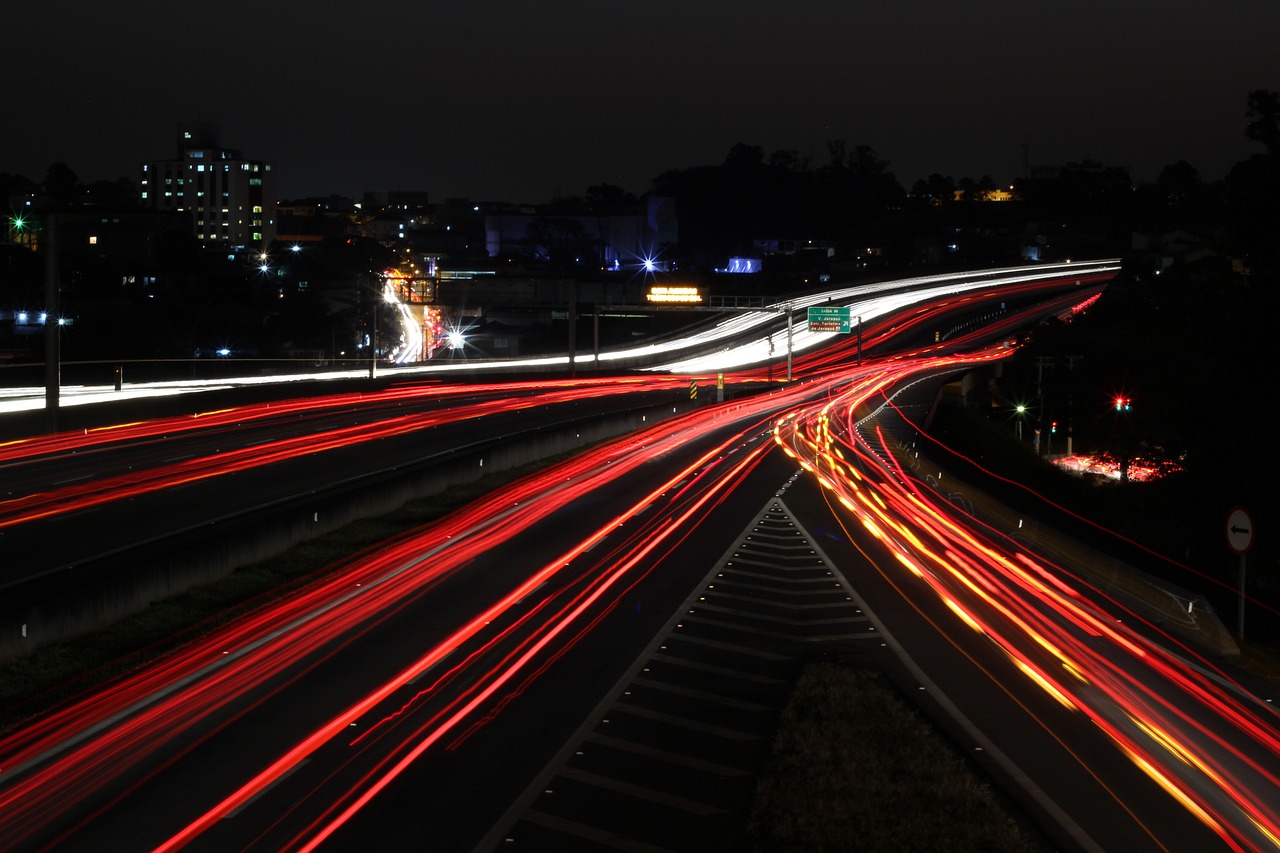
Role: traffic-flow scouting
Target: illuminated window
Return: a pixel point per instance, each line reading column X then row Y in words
column 93, row 240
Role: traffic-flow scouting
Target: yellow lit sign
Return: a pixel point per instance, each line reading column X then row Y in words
column 674, row 294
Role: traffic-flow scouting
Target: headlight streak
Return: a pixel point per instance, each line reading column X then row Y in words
column 1011, row 281
column 1151, row 704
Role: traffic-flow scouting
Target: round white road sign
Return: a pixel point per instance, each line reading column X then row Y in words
column 1239, row 531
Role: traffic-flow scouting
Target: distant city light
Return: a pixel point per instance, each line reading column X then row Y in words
column 742, row 265
column 1105, row 466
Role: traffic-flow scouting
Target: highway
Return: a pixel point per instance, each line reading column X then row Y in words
column 416, row 692
column 728, row 341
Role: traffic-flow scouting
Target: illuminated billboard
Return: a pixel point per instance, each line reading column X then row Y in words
column 674, row 294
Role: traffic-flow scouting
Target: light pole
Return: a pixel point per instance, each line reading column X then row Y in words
column 788, row 344
column 52, row 328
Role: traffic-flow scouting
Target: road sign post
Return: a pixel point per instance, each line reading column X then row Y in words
column 1240, row 540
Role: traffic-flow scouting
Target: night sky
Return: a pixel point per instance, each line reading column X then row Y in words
column 523, row 101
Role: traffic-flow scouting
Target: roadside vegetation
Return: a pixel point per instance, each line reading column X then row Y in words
column 855, row 767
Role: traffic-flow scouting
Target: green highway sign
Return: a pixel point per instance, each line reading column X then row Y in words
column 826, row 318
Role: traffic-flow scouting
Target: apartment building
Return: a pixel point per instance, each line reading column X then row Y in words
column 230, row 200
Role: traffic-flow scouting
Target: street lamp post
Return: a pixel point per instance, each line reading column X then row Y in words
column 52, row 328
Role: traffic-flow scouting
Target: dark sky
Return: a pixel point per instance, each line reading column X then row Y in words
column 520, row 100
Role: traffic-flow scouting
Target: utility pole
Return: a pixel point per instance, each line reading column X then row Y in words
column 373, row 342
column 788, row 344
column 1042, row 361
column 52, row 326
column 1071, row 363
column 573, row 331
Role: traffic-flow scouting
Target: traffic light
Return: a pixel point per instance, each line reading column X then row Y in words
column 1122, row 404
column 1053, row 428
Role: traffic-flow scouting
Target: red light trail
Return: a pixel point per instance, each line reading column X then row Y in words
column 1207, row 743
column 1204, row 740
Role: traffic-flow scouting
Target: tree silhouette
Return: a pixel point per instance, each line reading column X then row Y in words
column 60, row 184
column 1264, row 119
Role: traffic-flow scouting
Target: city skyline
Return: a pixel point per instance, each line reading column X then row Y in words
column 505, row 101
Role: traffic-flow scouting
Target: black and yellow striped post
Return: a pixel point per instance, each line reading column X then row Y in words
column 693, row 389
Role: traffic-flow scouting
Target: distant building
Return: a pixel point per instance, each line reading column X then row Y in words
column 230, row 200
column 632, row 239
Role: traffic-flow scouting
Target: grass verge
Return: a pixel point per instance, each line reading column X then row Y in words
column 854, row 767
